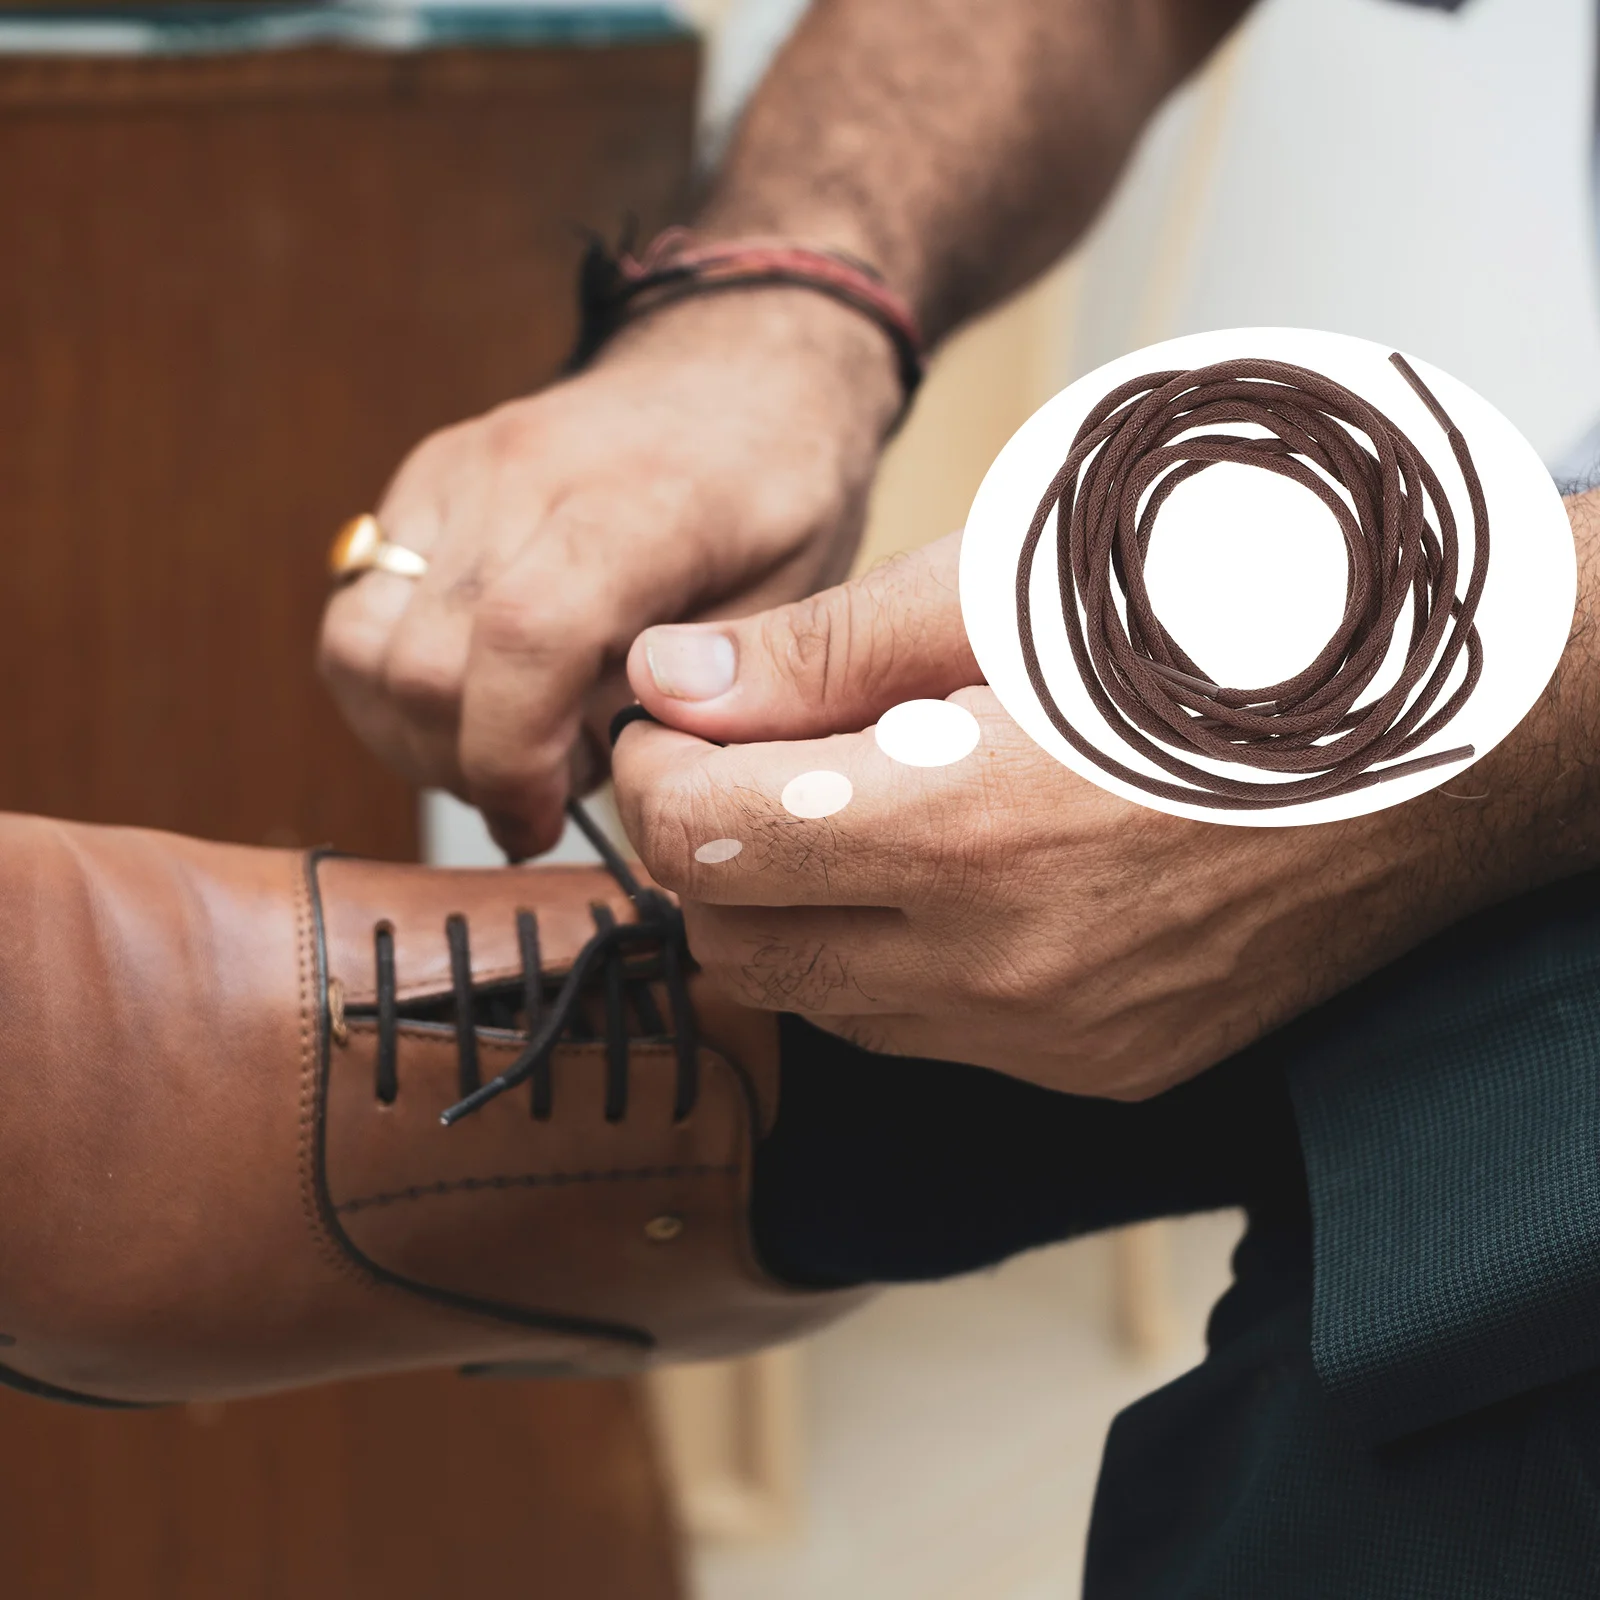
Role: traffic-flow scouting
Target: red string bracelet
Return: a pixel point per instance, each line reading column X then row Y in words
column 615, row 287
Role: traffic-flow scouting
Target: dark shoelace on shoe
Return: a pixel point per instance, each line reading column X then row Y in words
column 1140, row 679
column 658, row 952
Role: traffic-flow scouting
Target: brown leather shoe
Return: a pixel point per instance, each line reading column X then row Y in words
column 222, row 1163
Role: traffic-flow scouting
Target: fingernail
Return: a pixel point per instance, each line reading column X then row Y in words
column 689, row 663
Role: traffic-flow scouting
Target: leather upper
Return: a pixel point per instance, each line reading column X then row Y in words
column 201, row 1193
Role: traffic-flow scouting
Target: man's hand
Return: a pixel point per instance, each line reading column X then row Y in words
column 1002, row 911
column 717, row 457
column 715, row 460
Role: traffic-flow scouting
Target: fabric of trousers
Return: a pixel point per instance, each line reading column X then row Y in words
column 1401, row 1395
column 1242, row 1481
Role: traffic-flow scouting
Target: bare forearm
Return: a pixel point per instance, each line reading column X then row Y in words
column 1529, row 812
column 958, row 148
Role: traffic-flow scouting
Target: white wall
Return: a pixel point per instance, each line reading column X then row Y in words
column 1402, row 174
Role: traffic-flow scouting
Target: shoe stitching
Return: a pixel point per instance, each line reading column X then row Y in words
column 532, row 1180
column 310, row 1067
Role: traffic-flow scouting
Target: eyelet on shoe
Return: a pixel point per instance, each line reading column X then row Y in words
column 663, row 1229
column 7, row 1340
column 337, row 1026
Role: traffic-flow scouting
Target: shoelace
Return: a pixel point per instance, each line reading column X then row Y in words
column 1140, row 679
column 622, row 959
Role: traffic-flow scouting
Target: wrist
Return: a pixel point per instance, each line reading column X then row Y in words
column 831, row 358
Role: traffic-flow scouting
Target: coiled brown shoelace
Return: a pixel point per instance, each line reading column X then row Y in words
column 1141, row 680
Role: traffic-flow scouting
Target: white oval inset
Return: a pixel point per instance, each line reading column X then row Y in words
column 927, row 733
column 817, row 794
column 1248, row 574
column 715, row 850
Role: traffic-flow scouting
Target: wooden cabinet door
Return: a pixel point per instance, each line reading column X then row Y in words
column 234, row 290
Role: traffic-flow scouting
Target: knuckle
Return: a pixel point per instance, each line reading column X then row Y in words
column 430, row 460
column 765, row 967
column 873, row 640
column 512, row 434
column 350, row 643
column 510, row 620
column 997, row 980
column 780, row 974
column 663, row 840
column 717, row 959
column 749, row 984
column 421, row 681
column 539, row 621
column 805, row 641
column 835, row 645
column 774, row 840
column 961, row 862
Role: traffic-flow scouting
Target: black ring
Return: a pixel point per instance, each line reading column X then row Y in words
column 625, row 718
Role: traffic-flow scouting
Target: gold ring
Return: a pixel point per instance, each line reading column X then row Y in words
column 359, row 546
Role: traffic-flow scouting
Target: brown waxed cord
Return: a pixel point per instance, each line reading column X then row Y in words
column 1141, row 680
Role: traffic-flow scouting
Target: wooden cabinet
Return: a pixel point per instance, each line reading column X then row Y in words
column 234, row 289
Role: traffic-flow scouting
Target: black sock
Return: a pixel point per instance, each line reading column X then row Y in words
column 890, row 1169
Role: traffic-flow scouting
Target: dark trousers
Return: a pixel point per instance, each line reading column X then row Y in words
column 1257, row 1474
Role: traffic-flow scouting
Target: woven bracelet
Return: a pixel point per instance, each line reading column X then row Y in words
column 614, row 287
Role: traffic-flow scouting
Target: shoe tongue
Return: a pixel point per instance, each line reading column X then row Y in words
column 417, row 903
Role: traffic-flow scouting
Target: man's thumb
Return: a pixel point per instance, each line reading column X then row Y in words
column 831, row 664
